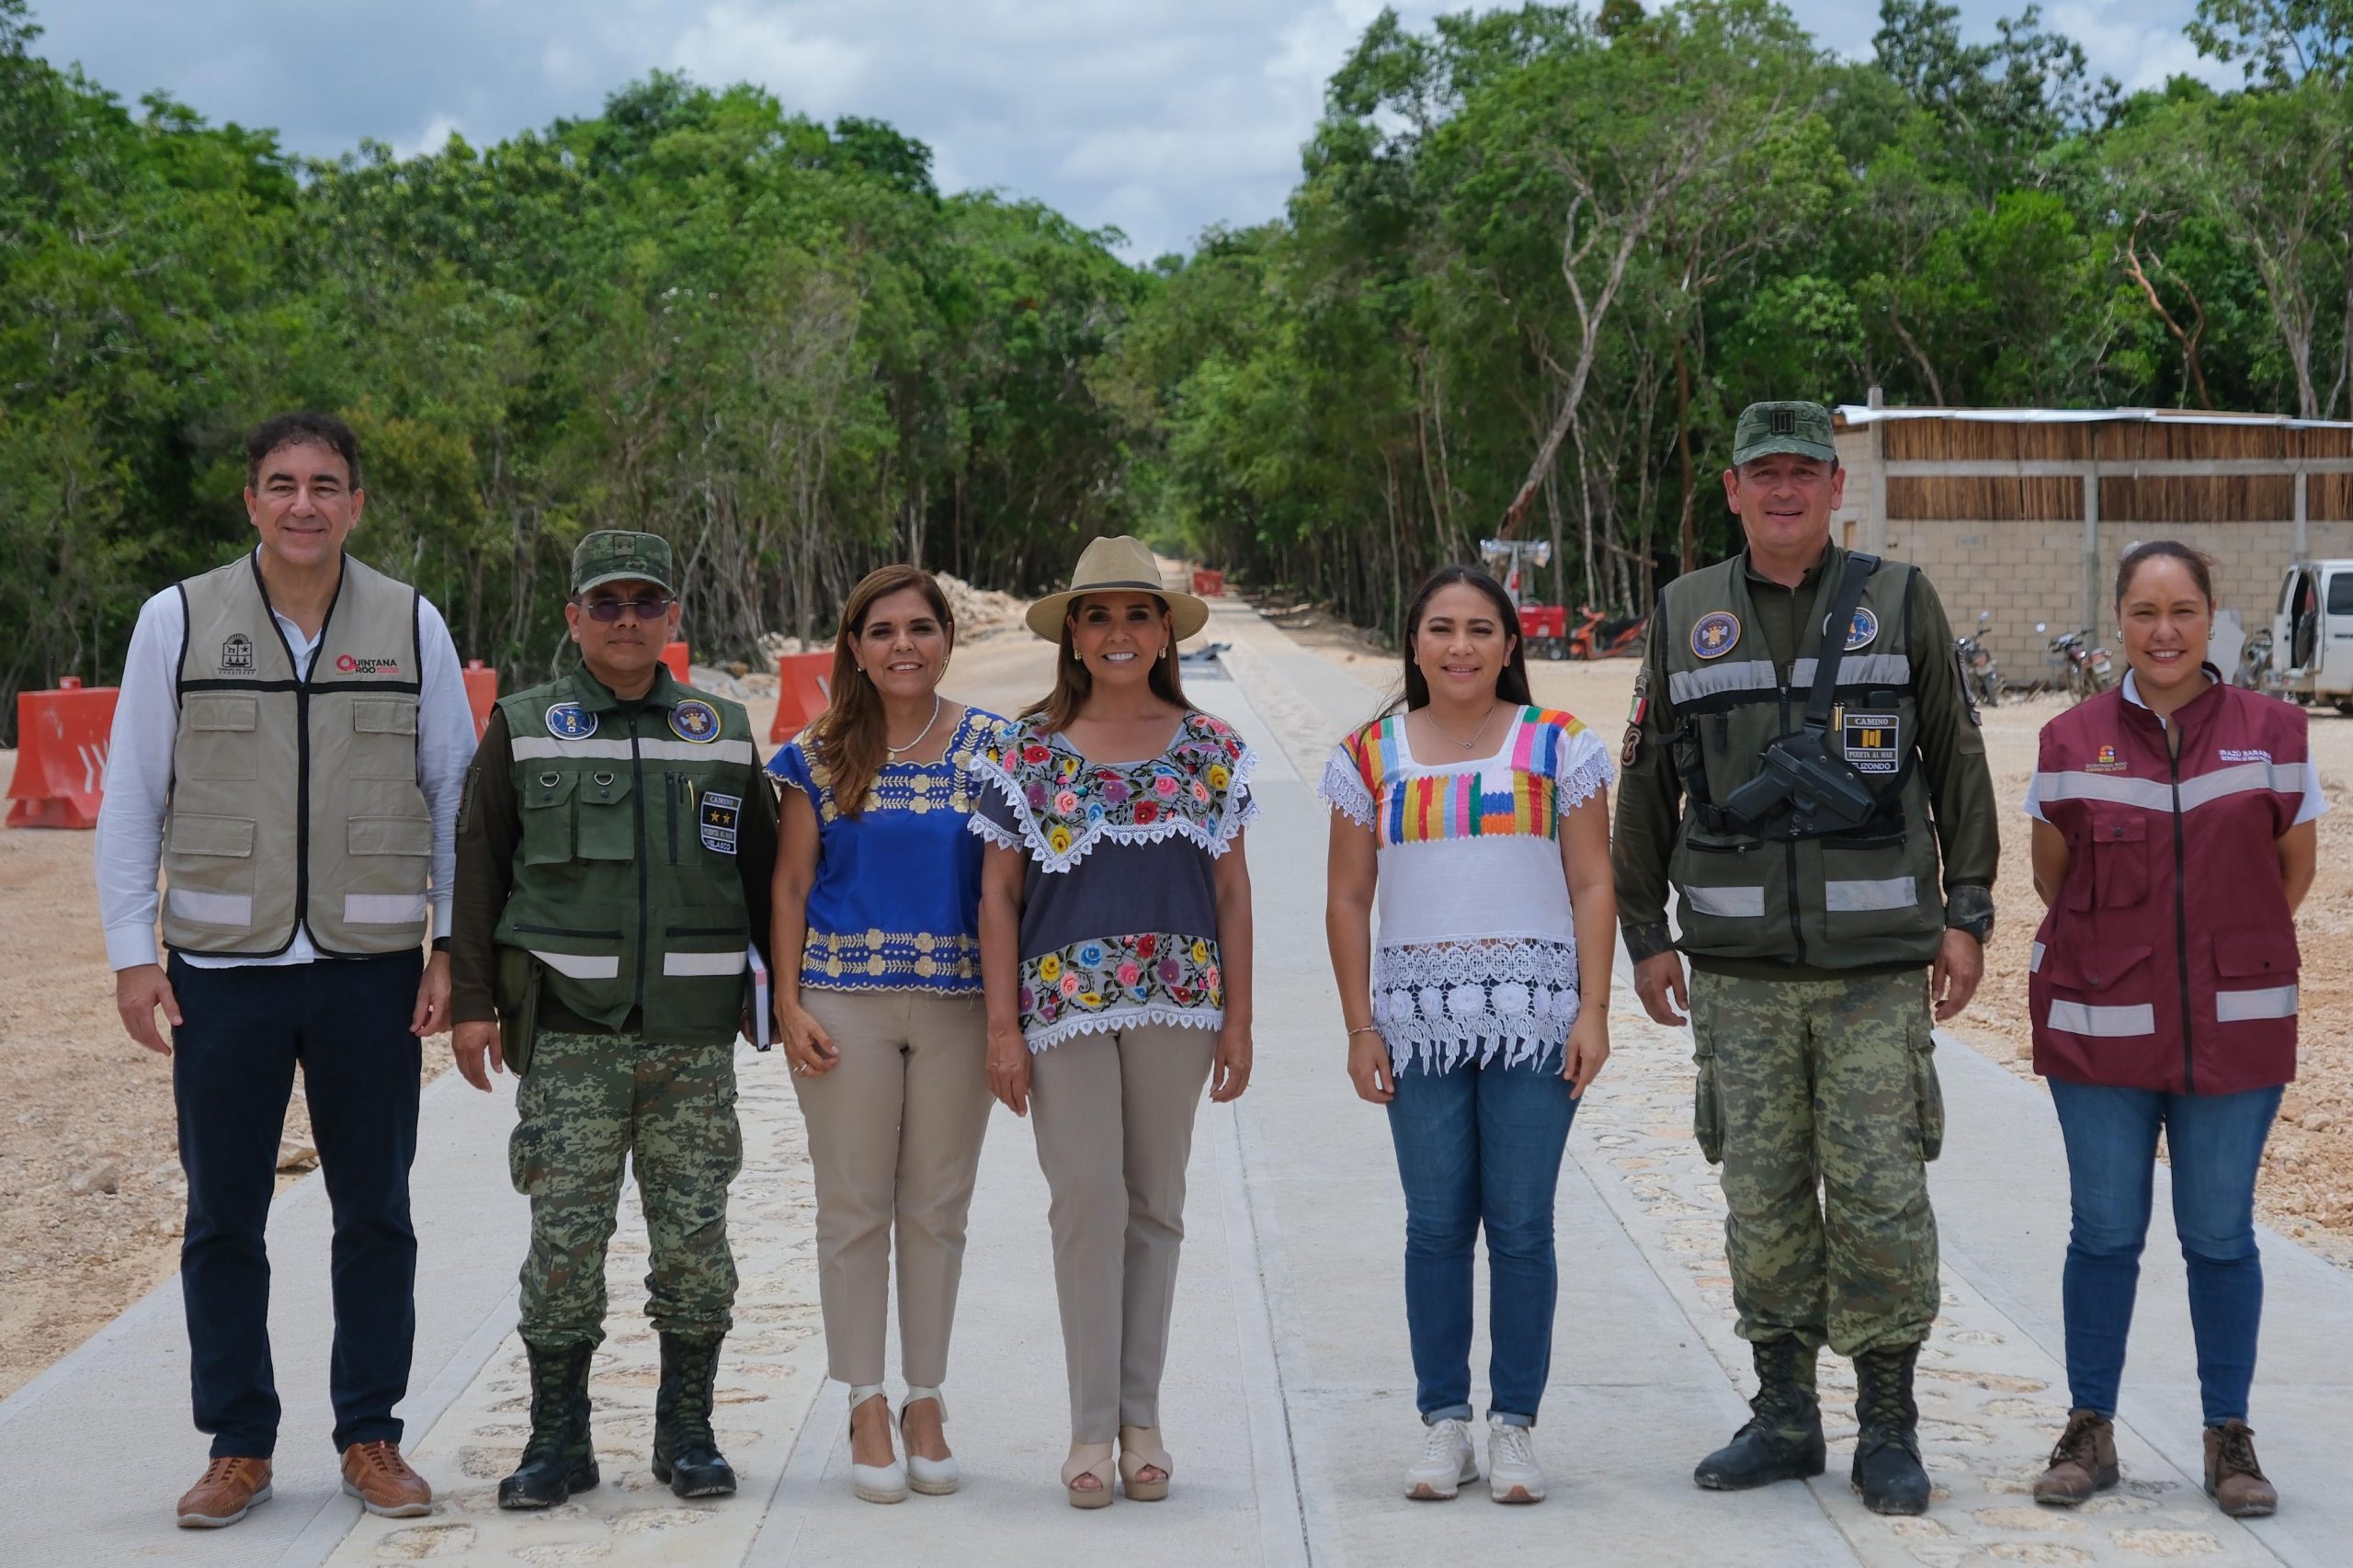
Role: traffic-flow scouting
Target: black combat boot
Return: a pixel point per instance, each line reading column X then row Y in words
column 685, row 1454
column 558, row 1460
column 1887, row 1444
column 1783, row 1438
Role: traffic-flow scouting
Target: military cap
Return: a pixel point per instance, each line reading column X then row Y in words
column 1765, row 428
column 615, row 555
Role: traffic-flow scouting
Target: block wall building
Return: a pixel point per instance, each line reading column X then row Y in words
column 2025, row 512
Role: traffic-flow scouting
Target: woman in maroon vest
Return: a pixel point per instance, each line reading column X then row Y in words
column 2173, row 840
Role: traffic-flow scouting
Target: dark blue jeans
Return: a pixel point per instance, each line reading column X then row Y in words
column 1481, row 1146
column 232, row 1071
column 2216, row 1144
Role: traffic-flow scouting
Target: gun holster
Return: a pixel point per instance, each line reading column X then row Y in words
column 514, row 991
column 1804, row 792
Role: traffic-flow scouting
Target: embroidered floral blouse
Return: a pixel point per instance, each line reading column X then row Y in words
column 1119, row 909
column 896, row 903
column 1476, row 954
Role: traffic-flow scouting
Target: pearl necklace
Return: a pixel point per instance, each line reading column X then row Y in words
column 896, row 752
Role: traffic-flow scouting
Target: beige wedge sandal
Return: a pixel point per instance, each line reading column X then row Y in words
column 1088, row 1458
column 1140, row 1451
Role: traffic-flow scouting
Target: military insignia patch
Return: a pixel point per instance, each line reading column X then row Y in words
column 1873, row 742
column 1714, row 634
column 718, row 820
column 570, row 721
column 1861, row 630
column 695, row 720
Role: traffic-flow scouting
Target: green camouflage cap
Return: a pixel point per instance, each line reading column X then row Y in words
column 1802, row 428
column 614, row 555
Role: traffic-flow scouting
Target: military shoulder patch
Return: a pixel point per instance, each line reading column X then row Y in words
column 695, row 720
column 718, row 820
column 1714, row 633
column 570, row 721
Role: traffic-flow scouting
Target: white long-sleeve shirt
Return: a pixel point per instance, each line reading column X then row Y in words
column 139, row 775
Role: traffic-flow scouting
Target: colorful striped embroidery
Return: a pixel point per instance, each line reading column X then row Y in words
column 1515, row 792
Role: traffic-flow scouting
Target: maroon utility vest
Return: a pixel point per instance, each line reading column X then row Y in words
column 2168, row 959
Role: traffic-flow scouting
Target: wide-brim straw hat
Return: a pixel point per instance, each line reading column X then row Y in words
column 1120, row 563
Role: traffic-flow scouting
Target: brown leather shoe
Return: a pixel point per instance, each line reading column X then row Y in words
column 230, row 1488
column 381, row 1480
column 2233, row 1478
column 2083, row 1464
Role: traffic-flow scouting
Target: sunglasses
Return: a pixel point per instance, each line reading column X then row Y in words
column 653, row 607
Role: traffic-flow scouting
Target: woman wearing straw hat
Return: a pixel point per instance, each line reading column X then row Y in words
column 1115, row 945
column 877, row 1007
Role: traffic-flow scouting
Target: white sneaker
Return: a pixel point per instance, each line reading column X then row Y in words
column 1448, row 1462
column 1513, row 1474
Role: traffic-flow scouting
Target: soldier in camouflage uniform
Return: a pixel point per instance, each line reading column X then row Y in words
column 614, row 852
column 1799, row 823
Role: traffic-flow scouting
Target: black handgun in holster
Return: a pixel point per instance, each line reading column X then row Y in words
column 1805, row 790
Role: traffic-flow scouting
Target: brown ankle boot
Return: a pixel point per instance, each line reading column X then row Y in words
column 2083, row 1464
column 2233, row 1479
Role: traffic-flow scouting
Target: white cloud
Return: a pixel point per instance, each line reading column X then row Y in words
column 810, row 72
column 432, row 139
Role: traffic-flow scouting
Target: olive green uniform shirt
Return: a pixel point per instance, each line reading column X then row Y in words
column 1951, row 752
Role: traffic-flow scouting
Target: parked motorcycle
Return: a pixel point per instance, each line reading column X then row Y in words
column 1983, row 677
column 1604, row 636
column 2255, row 659
column 2089, row 671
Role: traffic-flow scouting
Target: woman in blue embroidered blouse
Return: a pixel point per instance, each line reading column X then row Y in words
column 879, row 1009
column 1115, row 936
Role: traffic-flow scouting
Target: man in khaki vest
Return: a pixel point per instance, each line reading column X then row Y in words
column 1803, row 769
column 289, row 750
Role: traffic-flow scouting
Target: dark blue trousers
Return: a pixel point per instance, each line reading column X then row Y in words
column 233, row 1071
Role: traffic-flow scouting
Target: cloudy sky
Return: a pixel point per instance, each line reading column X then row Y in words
column 1159, row 117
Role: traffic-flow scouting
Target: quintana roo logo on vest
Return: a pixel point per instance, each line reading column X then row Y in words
column 570, row 721
column 1714, row 634
column 694, row 719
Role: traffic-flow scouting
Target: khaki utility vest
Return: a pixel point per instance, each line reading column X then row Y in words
column 626, row 890
column 295, row 801
column 1849, row 900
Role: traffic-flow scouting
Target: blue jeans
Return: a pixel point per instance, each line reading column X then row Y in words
column 1481, row 1146
column 2216, row 1142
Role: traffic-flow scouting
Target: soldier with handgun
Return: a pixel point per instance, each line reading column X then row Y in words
column 1801, row 763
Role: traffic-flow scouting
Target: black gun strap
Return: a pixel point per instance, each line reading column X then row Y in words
column 1832, row 646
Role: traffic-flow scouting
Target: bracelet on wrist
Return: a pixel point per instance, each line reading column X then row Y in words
column 1364, row 1028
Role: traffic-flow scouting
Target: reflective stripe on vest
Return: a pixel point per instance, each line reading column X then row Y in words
column 295, row 801
column 2103, row 1023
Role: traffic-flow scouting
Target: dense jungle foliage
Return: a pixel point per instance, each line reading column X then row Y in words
column 1535, row 262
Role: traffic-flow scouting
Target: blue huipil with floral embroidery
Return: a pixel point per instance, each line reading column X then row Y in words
column 896, row 903
column 1119, row 911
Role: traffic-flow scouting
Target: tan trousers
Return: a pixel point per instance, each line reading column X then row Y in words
column 894, row 1138
column 1115, row 1128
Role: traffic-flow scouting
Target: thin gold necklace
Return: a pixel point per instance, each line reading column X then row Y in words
column 896, row 752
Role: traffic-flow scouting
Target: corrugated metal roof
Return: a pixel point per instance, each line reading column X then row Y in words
column 1857, row 415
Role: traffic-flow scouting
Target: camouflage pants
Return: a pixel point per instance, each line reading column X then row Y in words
column 588, row 1103
column 1829, row 1086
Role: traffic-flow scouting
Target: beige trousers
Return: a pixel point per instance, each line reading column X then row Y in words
column 1115, row 1128
column 894, row 1138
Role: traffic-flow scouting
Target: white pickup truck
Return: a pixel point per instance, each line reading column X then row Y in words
column 2312, row 635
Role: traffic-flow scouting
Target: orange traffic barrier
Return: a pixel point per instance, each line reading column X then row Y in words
column 60, row 755
column 674, row 656
column 804, row 684
column 1208, row 584
column 481, row 693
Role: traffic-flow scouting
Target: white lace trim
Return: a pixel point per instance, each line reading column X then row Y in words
column 1115, row 1018
column 1003, row 837
column 1587, row 779
column 1342, row 788
column 1446, row 1003
column 1242, row 810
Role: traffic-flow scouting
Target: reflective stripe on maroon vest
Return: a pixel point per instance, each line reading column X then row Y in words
column 2168, row 959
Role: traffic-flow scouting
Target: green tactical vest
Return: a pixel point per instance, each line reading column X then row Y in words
column 625, row 883
column 295, row 802
column 1843, row 901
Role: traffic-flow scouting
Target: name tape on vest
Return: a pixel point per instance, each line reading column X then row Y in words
column 718, row 820
column 1873, row 742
